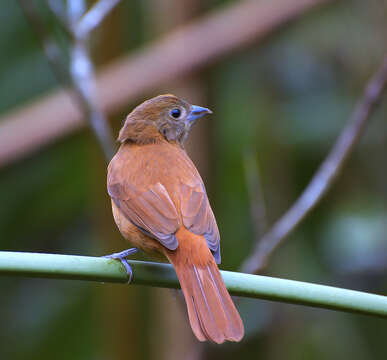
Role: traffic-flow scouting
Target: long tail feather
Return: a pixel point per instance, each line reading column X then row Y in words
column 212, row 313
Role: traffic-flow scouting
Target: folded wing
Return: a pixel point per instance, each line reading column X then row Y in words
column 159, row 199
column 198, row 217
column 152, row 211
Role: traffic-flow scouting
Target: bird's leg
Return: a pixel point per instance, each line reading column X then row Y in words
column 122, row 257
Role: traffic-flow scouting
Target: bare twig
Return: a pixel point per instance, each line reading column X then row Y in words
column 325, row 175
column 83, row 75
column 31, row 127
column 94, row 17
column 256, row 198
column 81, row 72
column 59, row 10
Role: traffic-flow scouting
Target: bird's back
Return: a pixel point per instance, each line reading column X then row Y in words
column 142, row 166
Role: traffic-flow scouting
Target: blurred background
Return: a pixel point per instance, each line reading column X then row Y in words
column 279, row 102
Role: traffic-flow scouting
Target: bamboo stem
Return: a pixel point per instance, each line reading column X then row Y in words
column 162, row 275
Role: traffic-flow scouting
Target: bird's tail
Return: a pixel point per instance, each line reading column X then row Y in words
column 212, row 313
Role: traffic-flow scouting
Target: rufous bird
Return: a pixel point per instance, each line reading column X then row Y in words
column 161, row 206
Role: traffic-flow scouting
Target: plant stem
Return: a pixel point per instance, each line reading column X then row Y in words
column 162, row 275
column 325, row 176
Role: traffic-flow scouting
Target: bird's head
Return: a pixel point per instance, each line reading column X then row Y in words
column 163, row 117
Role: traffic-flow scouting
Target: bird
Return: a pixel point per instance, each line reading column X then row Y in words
column 160, row 205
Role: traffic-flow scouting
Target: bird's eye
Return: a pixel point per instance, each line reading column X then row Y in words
column 175, row 113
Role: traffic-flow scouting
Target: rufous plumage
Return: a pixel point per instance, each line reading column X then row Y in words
column 160, row 205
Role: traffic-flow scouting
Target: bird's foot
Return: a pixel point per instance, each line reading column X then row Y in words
column 122, row 257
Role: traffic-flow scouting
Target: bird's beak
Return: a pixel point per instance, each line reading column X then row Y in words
column 197, row 112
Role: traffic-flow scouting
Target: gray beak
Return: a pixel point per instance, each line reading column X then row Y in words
column 197, row 112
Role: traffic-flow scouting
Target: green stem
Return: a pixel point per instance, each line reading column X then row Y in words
column 163, row 275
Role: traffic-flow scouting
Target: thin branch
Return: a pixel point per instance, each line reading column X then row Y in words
column 324, row 178
column 81, row 73
column 127, row 79
column 59, row 10
column 162, row 275
column 75, row 10
column 94, row 17
column 256, row 198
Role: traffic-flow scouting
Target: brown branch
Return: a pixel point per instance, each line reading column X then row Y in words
column 28, row 129
column 323, row 179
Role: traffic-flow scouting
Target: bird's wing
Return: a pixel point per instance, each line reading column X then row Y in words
column 152, row 197
column 198, row 217
column 152, row 211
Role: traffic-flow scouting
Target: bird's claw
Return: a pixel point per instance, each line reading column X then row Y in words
column 121, row 256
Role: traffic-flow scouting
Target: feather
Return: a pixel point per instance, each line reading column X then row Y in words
column 151, row 211
column 211, row 311
column 147, row 194
column 160, row 204
column 198, row 216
